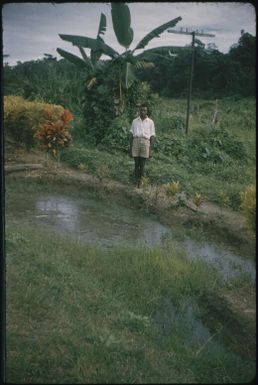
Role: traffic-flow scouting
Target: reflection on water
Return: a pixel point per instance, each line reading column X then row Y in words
column 95, row 222
column 106, row 224
column 58, row 212
column 226, row 262
column 170, row 319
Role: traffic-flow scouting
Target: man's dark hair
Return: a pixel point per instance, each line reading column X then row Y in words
column 148, row 108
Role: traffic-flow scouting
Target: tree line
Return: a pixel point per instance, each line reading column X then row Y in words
column 215, row 74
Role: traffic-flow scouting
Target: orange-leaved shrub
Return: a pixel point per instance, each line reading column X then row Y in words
column 22, row 118
column 53, row 135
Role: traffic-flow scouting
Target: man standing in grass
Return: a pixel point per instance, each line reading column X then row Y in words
column 142, row 136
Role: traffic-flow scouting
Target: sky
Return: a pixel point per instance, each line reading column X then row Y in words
column 31, row 29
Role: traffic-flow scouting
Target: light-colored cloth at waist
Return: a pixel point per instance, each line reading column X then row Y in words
column 141, row 147
column 143, row 137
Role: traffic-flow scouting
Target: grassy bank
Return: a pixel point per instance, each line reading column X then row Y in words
column 77, row 314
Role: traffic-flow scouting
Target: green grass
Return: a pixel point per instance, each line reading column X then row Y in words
column 218, row 162
column 77, row 314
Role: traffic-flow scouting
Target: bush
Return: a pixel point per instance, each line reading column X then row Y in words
column 117, row 136
column 248, row 205
column 54, row 135
column 203, row 145
column 168, row 123
column 22, row 118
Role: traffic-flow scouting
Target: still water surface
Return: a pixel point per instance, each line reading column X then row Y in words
column 106, row 224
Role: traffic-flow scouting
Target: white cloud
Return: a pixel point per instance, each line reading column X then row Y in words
column 31, row 29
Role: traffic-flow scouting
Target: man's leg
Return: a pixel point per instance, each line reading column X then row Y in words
column 141, row 168
column 137, row 169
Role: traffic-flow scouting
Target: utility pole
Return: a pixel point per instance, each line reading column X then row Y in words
column 190, row 81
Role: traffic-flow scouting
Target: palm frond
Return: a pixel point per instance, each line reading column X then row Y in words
column 87, row 42
column 72, row 58
column 85, row 57
column 121, row 19
column 102, row 24
column 156, row 32
column 162, row 49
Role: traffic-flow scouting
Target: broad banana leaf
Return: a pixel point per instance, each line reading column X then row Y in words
column 72, row 58
column 129, row 75
column 102, row 24
column 96, row 54
column 87, row 42
column 162, row 49
column 121, row 19
column 85, row 57
column 157, row 51
column 156, row 32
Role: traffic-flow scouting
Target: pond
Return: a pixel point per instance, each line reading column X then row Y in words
column 106, row 224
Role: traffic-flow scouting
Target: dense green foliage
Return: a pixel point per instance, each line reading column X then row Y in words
column 48, row 80
column 215, row 74
column 220, row 147
column 100, row 116
column 112, row 88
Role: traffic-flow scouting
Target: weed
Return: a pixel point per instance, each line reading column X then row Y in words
column 223, row 198
column 198, row 199
column 103, row 171
column 248, row 205
column 82, row 167
column 172, row 188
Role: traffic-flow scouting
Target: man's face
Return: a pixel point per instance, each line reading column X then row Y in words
column 143, row 112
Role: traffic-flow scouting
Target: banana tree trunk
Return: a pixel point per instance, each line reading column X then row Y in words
column 118, row 98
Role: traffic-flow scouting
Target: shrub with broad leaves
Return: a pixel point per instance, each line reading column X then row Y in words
column 53, row 135
column 22, row 118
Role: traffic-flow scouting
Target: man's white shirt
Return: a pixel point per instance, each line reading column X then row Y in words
column 143, row 128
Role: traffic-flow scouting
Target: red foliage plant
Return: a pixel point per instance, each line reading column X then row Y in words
column 53, row 135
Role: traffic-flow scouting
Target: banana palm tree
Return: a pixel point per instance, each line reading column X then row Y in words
column 128, row 61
